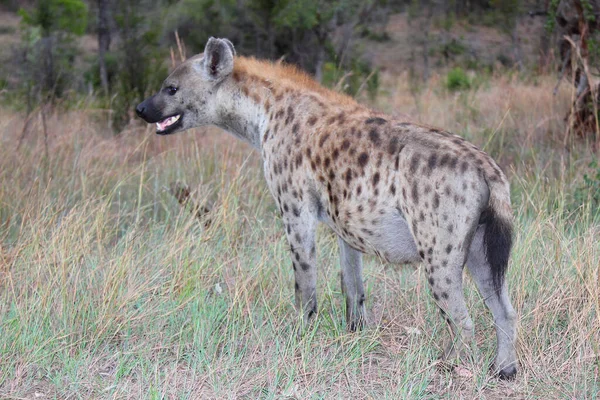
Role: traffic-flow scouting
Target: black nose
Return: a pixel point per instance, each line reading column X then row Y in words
column 139, row 110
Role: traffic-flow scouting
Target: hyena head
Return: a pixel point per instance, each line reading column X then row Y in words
column 187, row 97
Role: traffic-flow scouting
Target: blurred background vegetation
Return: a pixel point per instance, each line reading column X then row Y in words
column 116, row 52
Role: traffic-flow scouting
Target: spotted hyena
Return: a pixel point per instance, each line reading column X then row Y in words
column 405, row 192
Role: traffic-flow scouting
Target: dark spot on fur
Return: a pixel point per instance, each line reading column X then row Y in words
column 335, row 154
column 367, row 231
column 312, row 120
column 436, row 297
column 298, row 160
column 363, row 159
column 436, row 200
column 374, row 136
column 304, row 266
column 453, row 162
column 448, row 249
column 393, row 145
column 445, row 295
column 448, row 281
column 323, row 139
column 376, row 120
column 295, row 211
column 358, row 190
column 445, row 159
column 431, row 281
column 393, row 189
column 414, row 163
column 432, row 162
column 348, row 176
column 422, row 254
column 290, row 115
column 376, row 179
column 415, row 192
column 345, row 144
column 464, row 167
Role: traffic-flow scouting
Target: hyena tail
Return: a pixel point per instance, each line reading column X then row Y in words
column 497, row 238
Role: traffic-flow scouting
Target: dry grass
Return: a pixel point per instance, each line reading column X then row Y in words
column 109, row 289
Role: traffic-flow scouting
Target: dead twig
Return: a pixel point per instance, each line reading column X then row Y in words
column 183, row 195
column 562, row 71
column 25, row 129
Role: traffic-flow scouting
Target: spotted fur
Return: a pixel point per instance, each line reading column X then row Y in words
column 405, row 192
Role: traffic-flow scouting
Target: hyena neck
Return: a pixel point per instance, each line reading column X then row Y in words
column 262, row 99
column 241, row 115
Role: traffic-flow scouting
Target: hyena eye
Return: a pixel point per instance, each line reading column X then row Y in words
column 171, row 90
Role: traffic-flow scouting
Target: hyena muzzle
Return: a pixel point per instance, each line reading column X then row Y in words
column 405, row 192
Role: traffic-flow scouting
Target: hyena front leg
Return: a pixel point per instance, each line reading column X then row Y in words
column 301, row 234
column 352, row 285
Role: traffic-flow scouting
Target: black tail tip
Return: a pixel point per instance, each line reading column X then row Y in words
column 497, row 243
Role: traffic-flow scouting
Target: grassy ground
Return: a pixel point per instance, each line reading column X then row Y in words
column 109, row 289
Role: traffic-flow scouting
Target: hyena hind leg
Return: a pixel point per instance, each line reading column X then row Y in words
column 498, row 303
column 445, row 277
column 352, row 286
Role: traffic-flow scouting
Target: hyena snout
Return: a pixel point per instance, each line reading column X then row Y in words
column 148, row 111
column 153, row 110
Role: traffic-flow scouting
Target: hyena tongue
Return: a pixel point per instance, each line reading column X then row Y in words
column 165, row 123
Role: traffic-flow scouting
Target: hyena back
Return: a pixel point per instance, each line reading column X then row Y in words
column 405, row 192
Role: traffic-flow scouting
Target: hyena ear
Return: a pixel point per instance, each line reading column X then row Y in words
column 218, row 59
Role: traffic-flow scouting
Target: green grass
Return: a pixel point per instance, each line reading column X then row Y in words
column 109, row 289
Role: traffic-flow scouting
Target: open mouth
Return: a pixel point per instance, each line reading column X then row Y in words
column 168, row 125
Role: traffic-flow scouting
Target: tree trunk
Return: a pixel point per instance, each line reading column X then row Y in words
column 103, row 42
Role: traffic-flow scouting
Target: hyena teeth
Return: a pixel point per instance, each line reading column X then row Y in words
column 165, row 123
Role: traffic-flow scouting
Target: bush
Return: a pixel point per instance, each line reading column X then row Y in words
column 47, row 52
column 92, row 74
column 457, row 79
column 140, row 57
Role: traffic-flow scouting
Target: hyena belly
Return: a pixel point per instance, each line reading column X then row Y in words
column 393, row 240
column 385, row 233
